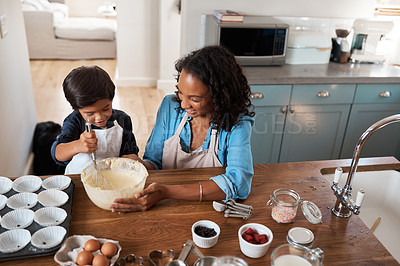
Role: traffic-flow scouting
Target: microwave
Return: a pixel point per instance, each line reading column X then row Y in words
column 258, row 40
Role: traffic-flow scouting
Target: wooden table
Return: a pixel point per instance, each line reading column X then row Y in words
column 168, row 224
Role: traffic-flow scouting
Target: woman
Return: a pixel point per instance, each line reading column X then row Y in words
column 206, row 124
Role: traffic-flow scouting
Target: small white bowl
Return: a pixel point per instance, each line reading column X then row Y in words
column 5, row 184
column 3, row 201
column 14, row 240
column 24, row 200
column 52, row 198
column 48, row 237
column 27, row 183
column 60, row 182
column 50, row 216
column 205, row 242
column 254, row 250
column 17, row 219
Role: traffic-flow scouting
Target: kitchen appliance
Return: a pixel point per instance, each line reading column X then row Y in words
column 368, row 36
column 340, row 45
column 258, row 40
column 308, row 47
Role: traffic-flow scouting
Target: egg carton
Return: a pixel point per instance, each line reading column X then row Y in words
column 30, row 250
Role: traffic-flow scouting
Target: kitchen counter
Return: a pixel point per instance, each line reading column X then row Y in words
column 345, row 241
column 332, row 73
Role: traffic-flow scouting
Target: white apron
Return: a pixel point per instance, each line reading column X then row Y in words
column 174, row 157
column 109, row 142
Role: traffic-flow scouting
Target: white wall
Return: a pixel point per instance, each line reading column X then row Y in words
column 137, row 43
column 17, row 106
column 192, row 11
column 170, row 34
column 149, row 31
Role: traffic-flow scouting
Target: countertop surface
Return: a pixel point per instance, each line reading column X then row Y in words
column 332, row 73
column 345, row 241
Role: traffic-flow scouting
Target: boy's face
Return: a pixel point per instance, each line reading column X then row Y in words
column 97, row 113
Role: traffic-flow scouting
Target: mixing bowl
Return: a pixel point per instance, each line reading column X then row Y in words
column 125, row 176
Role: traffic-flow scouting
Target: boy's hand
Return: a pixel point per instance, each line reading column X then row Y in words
column 88, row 142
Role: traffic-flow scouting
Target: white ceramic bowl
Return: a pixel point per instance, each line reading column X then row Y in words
column 205, row 242
column 5, row 184
column 60, row 182
column 254, row 250
column 132, row 172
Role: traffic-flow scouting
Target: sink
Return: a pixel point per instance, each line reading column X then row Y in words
column 382, row 199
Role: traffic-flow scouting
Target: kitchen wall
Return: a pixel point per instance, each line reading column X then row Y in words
column 149, row 31
column 192, row 12
column 17, row 106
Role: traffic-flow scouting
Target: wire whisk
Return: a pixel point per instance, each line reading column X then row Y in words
column 97, row 179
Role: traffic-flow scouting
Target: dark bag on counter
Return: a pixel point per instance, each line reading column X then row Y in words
column 44, row 136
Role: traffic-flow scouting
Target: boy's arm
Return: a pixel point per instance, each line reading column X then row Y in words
column 87, row 143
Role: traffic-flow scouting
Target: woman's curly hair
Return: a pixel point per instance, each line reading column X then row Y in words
column 217, row 68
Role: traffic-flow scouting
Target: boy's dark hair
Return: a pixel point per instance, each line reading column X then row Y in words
column 85, row 85
column 217, row 68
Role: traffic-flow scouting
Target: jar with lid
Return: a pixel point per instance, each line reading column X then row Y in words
column 300, row 236
column 284, row 207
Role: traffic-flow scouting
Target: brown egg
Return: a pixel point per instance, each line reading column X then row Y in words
column 92, row 245
column 109, row 249
column 84, row 258
column 100, row 260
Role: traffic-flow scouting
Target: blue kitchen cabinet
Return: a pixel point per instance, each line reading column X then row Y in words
column 271, row 103
column 316, row 121
column 373, row 102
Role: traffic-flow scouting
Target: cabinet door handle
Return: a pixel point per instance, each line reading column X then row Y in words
column 257, row 95
column 323, row 94
column 291, row 109
column 385, row 94
column 284, row 109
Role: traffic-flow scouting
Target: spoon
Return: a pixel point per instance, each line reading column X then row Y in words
column 219, row 207
column 228, row 215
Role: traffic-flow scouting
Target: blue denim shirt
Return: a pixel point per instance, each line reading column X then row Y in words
column 234, row 151
column 74, row 125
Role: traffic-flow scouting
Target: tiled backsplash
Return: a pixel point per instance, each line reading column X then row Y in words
column 326, row 25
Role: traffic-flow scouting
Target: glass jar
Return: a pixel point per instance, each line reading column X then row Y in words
column 300, row 236
column 289, row 254
column 284, row 205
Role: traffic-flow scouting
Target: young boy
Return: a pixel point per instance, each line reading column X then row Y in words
column 90, row 91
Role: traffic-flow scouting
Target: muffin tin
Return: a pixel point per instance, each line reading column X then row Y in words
column 35, row 217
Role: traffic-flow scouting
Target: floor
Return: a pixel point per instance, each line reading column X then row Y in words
column 47, row 77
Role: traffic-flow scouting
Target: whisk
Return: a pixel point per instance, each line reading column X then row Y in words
column 97, row 178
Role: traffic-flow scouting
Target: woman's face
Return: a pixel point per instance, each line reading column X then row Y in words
column 97, row 113
column 195, row 96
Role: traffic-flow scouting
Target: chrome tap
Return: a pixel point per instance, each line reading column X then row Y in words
column 345, row 204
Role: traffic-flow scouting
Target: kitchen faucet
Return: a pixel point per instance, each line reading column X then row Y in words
column 345, row 204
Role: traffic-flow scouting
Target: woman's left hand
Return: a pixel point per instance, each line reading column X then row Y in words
column 143, row 200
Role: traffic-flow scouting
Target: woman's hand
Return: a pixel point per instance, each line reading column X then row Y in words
column 143, row 200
